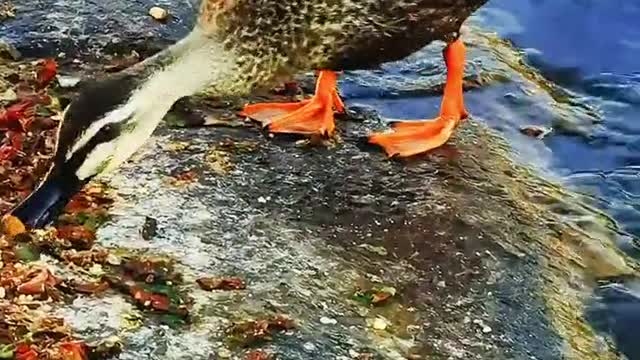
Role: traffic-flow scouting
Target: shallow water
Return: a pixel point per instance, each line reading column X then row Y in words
column 586, row 86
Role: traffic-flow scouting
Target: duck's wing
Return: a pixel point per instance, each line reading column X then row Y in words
column 393, row 30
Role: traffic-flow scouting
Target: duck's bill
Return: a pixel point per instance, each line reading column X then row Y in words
column 47, row 201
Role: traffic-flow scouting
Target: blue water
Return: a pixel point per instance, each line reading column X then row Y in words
column 591, row 47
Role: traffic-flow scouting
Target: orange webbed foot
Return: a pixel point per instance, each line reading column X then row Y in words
column 415, row 137
column 309, row 117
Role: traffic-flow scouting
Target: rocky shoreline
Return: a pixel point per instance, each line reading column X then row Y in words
column 461, row 253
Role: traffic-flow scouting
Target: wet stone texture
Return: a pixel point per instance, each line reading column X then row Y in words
column 469, row 241
column 90, row 26
column 487, row 260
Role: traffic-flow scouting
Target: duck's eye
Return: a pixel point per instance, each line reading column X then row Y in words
column 109, row 131
column 107, row 128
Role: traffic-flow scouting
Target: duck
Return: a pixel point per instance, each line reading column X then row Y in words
column 238, row 46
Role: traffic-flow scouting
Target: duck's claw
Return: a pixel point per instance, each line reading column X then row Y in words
column 414, row 137
column 309, row 117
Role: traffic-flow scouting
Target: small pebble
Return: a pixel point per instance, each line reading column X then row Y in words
column 328, row 321
column 224, row 354
column 379, row 324
column 9, row 95
column 113, row 260
column 158, row 13
column 149, row 228
column 485, row 328
column 96, row 270
column 309, row 347
column 538, row 132
column 67, row 81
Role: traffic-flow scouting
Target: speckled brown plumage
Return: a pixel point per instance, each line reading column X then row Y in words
column 282, row 37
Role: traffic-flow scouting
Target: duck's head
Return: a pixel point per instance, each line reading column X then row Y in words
column 92, row 124
column 112, row 118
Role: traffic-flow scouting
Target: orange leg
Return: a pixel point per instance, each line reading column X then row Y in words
column 415, row 137
column 309, row 117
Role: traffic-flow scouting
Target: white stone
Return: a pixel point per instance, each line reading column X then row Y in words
column 158, row 13
column 328, row 321
column 379, row 324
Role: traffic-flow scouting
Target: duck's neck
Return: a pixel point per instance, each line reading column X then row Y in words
column 183, row 69
column 187, row 67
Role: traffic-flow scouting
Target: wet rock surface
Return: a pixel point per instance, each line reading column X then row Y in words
column 479, row 249
column 86, row 27
column 470, row 245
